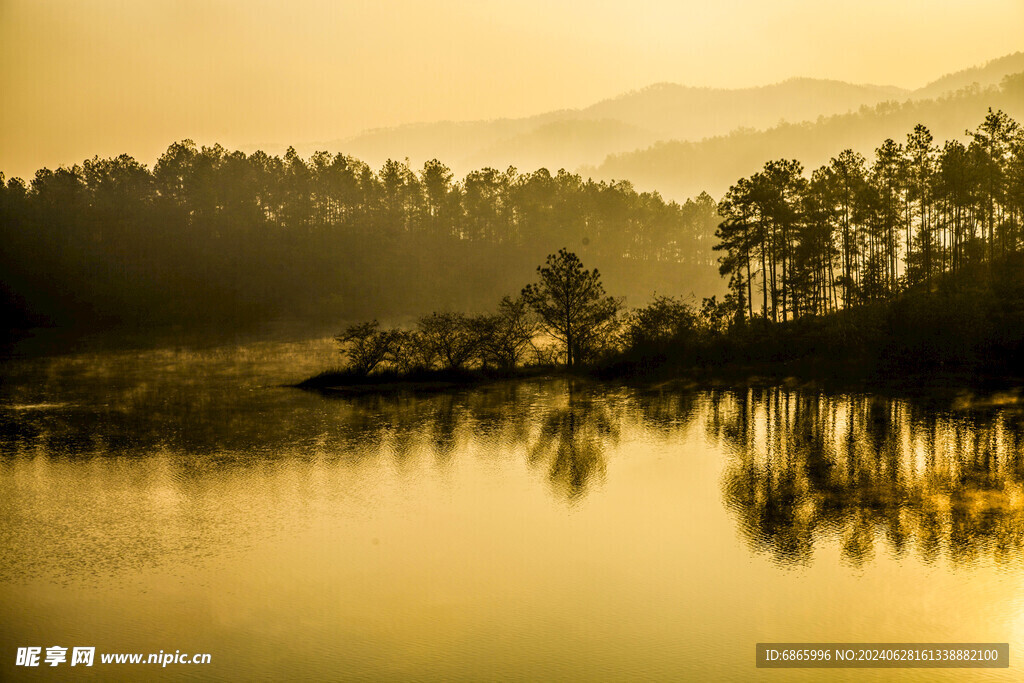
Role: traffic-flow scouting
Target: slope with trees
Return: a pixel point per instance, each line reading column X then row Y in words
column 214, row 237
column 911, row 261
column 859, row 231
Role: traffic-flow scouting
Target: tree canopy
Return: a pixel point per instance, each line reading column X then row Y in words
column 213, row 236
column 860, row 231
column 572, row 306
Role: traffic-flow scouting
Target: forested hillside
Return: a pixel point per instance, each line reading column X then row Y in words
column 211, row 237
column 909, row 261
column 861, row 230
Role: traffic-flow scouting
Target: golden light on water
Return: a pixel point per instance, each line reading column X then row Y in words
column 181, row 490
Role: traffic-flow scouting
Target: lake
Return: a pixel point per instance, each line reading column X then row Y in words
column 185, row 499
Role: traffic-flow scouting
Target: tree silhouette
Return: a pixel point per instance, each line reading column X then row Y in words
column 506, row 335
column 366, row 346
column 572, row 305
column 449, row 337
column 210, row 237
column 856, row 234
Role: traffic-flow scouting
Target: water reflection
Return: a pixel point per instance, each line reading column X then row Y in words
column 800, row 469
column 177, row 498
column 563, row 427
column 868, row 471
column 203, row 410
column 572, row 442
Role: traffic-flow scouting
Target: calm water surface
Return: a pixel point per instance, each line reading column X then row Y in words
column 186, row 500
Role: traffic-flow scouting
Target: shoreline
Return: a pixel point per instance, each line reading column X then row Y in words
column 342, row 382
column 960, row 388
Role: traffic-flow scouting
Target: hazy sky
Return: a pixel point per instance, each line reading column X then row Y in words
column 85, row 77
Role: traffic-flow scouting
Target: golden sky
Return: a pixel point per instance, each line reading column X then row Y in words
column 85, row 77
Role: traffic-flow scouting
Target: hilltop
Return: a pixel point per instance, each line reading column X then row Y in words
column 681, row 169
column 641, row 119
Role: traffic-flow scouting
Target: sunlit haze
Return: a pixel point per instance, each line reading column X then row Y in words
column 80, row 79
column 494, row 339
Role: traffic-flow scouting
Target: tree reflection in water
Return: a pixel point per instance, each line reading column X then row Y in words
column 807, row 467
column 563, row 428
column 572, row 442
column 803, row 467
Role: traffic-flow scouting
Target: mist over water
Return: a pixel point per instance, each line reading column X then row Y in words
column 185, row 499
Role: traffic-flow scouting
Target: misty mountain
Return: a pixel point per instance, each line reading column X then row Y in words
column 991, row 73
column 563, row 144
column 576, row 138
column 572, row 138
column 676, row 111
column 680, row 169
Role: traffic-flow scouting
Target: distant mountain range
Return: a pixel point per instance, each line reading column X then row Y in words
column 681, row 169
column 629, row 136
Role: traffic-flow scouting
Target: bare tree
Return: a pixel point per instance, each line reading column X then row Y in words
column 366, row 345
column 448, row 337
column 506, row 336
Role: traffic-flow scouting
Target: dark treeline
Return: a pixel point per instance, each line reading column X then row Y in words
column 564, row 317
column 910, row 262
column 859, row 231
column 213, row 236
